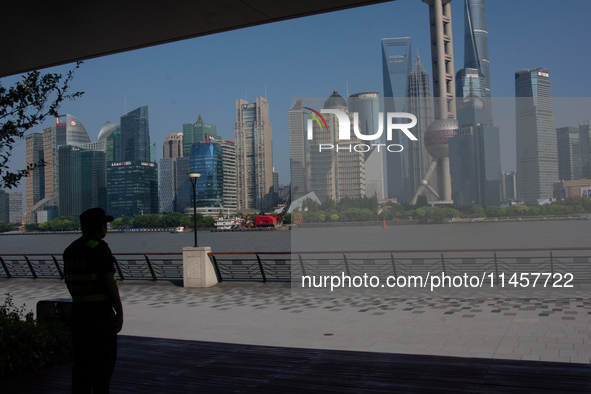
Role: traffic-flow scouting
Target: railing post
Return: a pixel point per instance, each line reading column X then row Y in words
column 57, row 266
column 151, row 269
column 496, row 268
column 552, row 268
column 302, row 265
column 31, row 267
column 393, row 265
column 218, row 274
column 118, row 268
column 261, row 268
column 346, row 265
column 5, row 268
column 442, row 263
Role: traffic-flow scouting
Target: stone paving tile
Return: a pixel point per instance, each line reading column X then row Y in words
column 497, row 327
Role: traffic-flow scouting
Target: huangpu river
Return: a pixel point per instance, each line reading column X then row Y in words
column 500, row 235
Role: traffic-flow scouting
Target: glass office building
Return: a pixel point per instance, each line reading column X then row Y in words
column 82, row 180
column 111, row 133
column 570, row 167
column 176, row 191
column 135, row 135
column 215, row 160
column 396, row 67
column 475, row 157
column 132, row 188
column 193, row 133
column 35, row 182
column 537, row 155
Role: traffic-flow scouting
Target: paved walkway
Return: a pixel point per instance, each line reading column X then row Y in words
column 550, row 329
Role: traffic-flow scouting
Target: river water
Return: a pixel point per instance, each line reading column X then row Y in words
column 503, row 235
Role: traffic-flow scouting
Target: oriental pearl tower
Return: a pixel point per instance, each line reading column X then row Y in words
column 444, row 91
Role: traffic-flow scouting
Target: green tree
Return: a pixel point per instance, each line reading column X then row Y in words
column 26, row 105
column 494, row 212
column 4, row 227
column 422, row 202
column 477, row 210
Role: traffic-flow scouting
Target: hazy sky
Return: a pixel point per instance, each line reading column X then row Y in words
column 312, row 56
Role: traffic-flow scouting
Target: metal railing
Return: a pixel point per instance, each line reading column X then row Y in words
column 128, row 265
column 285, row 266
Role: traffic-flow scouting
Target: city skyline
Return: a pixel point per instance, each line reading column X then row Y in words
column 176, row 96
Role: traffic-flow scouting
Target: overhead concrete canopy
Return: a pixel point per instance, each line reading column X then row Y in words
column 40, row 34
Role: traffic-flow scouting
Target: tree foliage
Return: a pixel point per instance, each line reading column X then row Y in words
column 25, row 105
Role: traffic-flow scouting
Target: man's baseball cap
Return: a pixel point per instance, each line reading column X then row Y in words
column 95, row 215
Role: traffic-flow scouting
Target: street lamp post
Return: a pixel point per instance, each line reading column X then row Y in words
column 193, row 177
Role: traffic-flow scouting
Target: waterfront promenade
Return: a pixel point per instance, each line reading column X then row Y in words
column 556, row 329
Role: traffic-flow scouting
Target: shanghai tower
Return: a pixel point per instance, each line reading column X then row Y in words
column 476, row 39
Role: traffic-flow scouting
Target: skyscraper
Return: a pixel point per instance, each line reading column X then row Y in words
column 215, row 160
column 4, row 206
column 135, row 135
column 584, row 135
column 338, row 172
column 35, row 182
column 476, row 41
column 176, row 192
column 568, row 145
column 299, row 150
column 15, row 207
column 367, row 105
column 421, row 105
column 132, row 188
column 67, row 130
column 537, row 157
column 475, row 157
column 254, row 155
column 173, row 146
column 396, row 67
column 474, row 78
column 193, row 133
column 82, row 180
column 509, row 186
column 111, row 134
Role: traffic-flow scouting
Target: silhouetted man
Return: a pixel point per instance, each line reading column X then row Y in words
column 97, row 314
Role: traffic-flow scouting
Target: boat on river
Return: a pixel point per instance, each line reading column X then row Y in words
column 181, row 229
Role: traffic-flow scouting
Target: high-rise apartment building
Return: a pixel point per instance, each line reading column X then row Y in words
column 215, row 160
column 173, row 146
column 568, row 145
column 132, row 188
column 421, row 106
column 537, row 156
column 585, row 136
column 367, row 106
column 176, row 191
column 135, row 135
column 193, row 133
column 35, row 182
column 82, row 180
column 254, row 155
column 396, row 67
column 338, row 172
